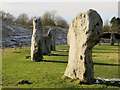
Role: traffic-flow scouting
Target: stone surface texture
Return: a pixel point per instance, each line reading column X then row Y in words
column 84, row 33
column 37, row 40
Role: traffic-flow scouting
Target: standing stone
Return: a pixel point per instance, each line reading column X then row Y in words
column 46, row 45
column 52, row 36
column 84, row 33
column 112, row 39
column 36, row 42
column 48, row 42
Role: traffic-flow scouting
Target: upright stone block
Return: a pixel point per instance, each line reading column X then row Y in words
column 48, row 42
column 37, row 41
column 51, row 35
column 84, row 33
column 112, row 39
column 46, row 45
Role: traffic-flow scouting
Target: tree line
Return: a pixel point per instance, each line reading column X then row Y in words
column 52, row 19
column 112, row 26
column 47, row 19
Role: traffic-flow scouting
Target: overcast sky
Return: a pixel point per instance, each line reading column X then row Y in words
column 68, row 10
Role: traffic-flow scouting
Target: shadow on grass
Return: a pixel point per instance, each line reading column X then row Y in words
column 93, row 63
column 104, row 52
column 58, row 55
column 110, row 49
column 111, row 84
column 16, row 52
column 55, row 61
column 108, row 82
column 106, row 64
column 62, row 50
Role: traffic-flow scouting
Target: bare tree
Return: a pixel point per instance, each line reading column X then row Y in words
column 60, row 22
column 115, row 24
column 9, row 17
column 51, row 19
column 48, row 19
column 106, row 27
column 22, row 19
column 30, row 22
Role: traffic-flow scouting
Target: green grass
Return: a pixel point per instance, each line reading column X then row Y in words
column 15, row 67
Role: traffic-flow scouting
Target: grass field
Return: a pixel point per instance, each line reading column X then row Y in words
column 15, row 67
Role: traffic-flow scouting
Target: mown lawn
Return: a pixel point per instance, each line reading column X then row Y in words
column 15, row 68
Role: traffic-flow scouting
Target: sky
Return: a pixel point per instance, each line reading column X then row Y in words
column 68, row 10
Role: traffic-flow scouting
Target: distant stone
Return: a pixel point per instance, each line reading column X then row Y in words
column 37, row 41
column 46, row 45
column 52, row 36
column 112, row 39
column 85, row 32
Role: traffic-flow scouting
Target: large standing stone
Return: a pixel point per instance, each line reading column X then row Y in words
column 37, row 40
column 84, row 33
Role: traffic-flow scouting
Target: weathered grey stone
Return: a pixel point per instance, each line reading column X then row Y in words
column 113, row 82
column 52, row 36
column 37, row 40
column 112, row 39
column 48, row 43
column 84, row 33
